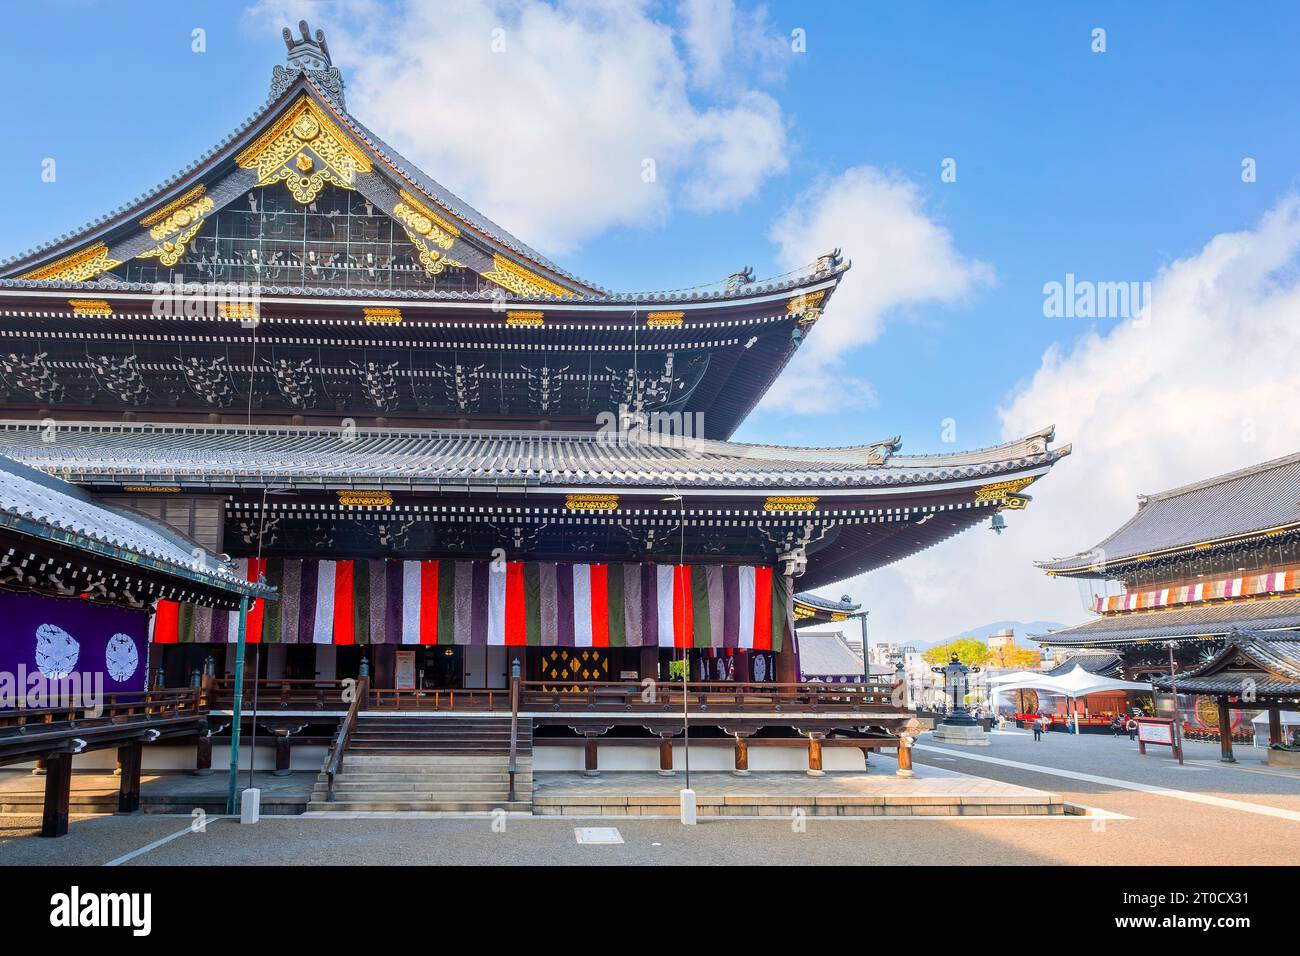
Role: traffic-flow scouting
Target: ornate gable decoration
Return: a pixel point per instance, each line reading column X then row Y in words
column 520, row 281
column 426, row 229
column 80, row 266
column 175, row 224
column 306, row 150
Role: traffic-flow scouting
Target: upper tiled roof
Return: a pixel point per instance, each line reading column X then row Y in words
column 221, row 157
column 1210, row 620
column 1238, row 504
column 226, row 454
column 41, row 506
column 226, row 147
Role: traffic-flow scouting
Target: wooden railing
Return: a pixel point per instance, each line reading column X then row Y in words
column 599, row 696
column 443, row 699
column 109, row 709
column 280, row 694
column 26, row 733
column 344, row 735
column 704, row 696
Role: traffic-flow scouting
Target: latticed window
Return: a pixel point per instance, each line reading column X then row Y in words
column 342, row 240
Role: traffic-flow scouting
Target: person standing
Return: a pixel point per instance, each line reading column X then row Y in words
column 1038, row 729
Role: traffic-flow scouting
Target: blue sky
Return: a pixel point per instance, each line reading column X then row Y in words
column 1111, row 166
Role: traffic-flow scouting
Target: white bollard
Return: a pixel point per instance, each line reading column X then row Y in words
column 688, row 808
column 250, row 805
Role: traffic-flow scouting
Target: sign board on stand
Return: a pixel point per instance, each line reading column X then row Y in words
column 404, row 676
column 1161, row 732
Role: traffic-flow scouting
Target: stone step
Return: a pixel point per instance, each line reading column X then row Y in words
column 433, row 775
column 449, row 795
column 368, row 719
column 441, row 806
column 405, row 740
column 437, row 760
column 448, row 784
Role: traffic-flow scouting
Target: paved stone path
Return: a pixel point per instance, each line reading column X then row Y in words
column 1144, row 827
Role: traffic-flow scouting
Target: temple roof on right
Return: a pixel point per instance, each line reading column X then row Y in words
column 1230, row 508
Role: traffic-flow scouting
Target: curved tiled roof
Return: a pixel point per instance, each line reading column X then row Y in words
column 826, row 604
column 1270, row 662
column 213, row 454
column 825, row 654
column 42, row 506
column 1101, row 663
column 127, row 214
column 1238, row 504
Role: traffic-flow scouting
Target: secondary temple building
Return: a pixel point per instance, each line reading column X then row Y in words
column 445, row 452
column 1206, row 576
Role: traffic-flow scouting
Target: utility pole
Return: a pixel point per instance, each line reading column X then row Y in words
column 237, row 708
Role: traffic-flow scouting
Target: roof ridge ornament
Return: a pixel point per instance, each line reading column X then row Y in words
column 308, row 57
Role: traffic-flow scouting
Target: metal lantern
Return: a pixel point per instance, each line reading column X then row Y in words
column 956, row 680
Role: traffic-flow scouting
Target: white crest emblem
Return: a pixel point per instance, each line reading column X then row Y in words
column 56, row 651
column 121, row 657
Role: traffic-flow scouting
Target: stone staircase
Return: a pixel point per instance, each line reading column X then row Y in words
column 448, row 764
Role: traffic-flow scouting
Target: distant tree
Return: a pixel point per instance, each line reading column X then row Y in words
column 1015, row 658
column 969, row 651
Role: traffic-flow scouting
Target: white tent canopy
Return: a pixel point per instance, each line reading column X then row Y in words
column 1075, row 683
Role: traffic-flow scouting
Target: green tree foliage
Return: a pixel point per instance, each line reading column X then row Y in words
column 969, row 651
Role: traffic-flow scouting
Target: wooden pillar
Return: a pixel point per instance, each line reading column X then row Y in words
column 129, row 760
column 787, row 667
column 815, row 756
column 283, row 756
column 1274, row 725
column 904, row 757
column 666, row 756
column 1225, row 732
column 649, row 665
column 385, row 665
column 58, row 795
column 203, row 755
column 590, row 768
column 742, row 756
column 866, row 757
column 741, row 669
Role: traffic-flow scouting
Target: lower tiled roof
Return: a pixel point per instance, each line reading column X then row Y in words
column 39, row 506
column 1211, row 620
column 217, row 454
column 1263, row 664
column 825, row 654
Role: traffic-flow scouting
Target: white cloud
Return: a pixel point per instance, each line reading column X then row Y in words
column 722, row 41
column 902, row 258
column 549, row 137
column 1208, row 386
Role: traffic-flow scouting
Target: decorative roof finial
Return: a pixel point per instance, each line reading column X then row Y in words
column 310, row 54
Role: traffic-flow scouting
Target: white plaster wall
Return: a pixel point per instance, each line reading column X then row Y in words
column 182, row 758
column 706, row 758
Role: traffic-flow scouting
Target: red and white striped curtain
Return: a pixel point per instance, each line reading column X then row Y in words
column 513, row 603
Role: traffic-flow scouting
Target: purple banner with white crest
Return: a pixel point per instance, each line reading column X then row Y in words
column 70, row 647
